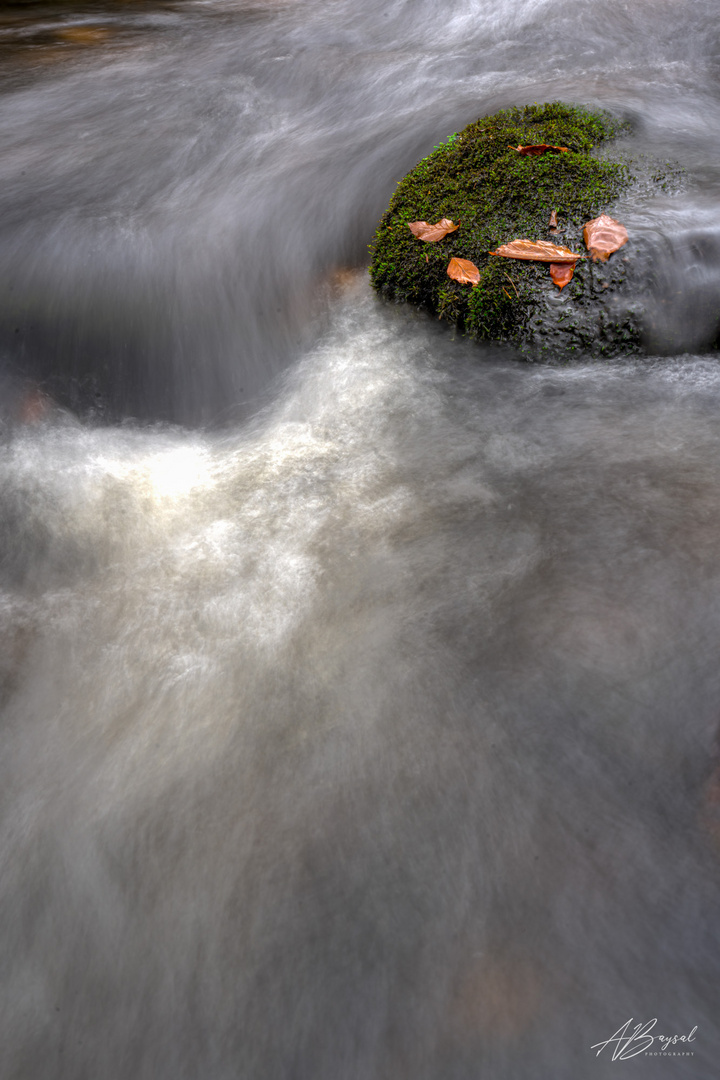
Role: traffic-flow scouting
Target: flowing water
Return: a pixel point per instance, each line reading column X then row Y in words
column 360, row 686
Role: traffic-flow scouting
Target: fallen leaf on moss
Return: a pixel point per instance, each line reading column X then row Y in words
column 432, row 233
column 537, row 251
column 552, row 223
column 603, row 235
column 464, row 271
column 541, row 148
column 562, row 273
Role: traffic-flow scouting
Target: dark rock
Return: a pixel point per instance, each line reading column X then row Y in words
column 477, row 178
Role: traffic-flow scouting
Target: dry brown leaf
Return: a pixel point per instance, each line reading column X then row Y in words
column 464, row 271
column 83, row 35
column 603, row 235
column 432, row 233
column 552, row 224
column 34, row 407
column 537, row 251
column 562, row 273
column 541, row 148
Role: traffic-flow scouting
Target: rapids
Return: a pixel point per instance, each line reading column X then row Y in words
column 360, row 686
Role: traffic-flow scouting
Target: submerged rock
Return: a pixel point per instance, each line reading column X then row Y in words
column 480, row 179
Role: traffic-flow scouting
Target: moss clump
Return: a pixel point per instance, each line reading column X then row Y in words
column 498, row 195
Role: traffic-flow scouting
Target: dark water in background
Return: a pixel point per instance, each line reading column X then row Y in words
column 369, row 736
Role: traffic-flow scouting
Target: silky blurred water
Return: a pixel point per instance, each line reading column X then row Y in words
column 360, row 685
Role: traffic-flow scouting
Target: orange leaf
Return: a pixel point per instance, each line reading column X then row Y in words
column 603, row 235
column 432, row 233
column 537, row 251
column 562, row 273
column 552, row 223
column 464, row 271
column 541, row 148
column 83, row 35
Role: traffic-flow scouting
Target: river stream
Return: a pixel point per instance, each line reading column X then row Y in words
column 360, row 684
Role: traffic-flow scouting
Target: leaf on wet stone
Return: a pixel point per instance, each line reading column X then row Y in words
column 537, row 251
column 464, row 271
column 603, row 235
column 541, row 148
column 562, row 273
column 432, row 233
column 552, row 224
column 497, row 194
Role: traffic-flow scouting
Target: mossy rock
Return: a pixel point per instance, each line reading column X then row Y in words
column 498, row 195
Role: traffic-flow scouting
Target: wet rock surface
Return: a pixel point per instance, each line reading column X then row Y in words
column 478, row 178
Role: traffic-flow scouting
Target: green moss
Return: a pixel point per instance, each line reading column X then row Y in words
column 497, row 195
